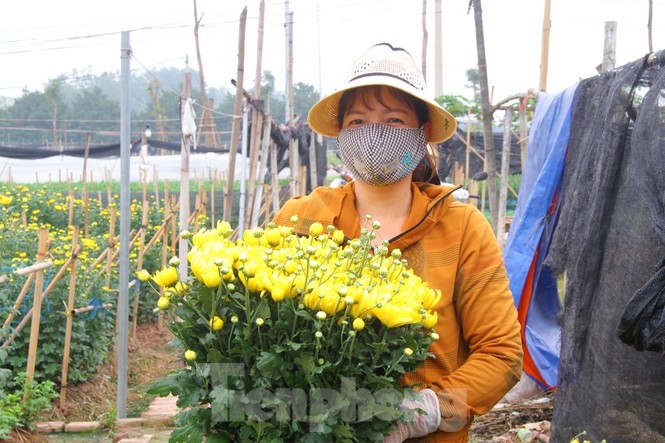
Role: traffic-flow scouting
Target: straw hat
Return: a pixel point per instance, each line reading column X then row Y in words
column 385, row 65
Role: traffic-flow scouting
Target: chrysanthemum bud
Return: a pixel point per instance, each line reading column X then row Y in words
column 185, row 234
column 163, row 303
column 434, row 336
column 408, row 352
column 318, row 334
column 260, row 321
column 376, row 224
column 216, row 323
column 143, row 275
column 321, row 315
column 315, row 229
column 358, row 324
column 234, row 319
column 174, row 262
column 190, row 355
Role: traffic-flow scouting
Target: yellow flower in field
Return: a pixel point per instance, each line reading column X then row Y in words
column 6, row 200
column 216, row 323
column 358, row 324
column 167, row 277
column 190, row 355
column 180, row 288
column 163, row 303
column 143, row 275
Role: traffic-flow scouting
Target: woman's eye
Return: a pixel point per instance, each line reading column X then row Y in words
column 395, row 120
column 355, row 121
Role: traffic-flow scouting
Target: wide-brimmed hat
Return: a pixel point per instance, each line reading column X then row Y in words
column 384, row 65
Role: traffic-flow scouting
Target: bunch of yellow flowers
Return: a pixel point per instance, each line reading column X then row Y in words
column 293, row 338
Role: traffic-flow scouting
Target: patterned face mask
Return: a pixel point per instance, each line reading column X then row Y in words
column 379, row 154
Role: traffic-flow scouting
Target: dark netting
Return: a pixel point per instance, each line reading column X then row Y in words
column 609, row 241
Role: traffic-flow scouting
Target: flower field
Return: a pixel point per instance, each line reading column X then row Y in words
column 25, row 212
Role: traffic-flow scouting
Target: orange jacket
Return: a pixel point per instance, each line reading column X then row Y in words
column 478, row 357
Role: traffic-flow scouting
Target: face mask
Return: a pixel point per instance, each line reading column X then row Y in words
column 379, row 154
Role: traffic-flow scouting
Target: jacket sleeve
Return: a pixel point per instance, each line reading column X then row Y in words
column 488, row 319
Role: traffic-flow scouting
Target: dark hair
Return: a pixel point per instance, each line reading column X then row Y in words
column 426, row 169
column 364, row 93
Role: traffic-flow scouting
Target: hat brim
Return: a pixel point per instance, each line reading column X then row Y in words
column 323, row 116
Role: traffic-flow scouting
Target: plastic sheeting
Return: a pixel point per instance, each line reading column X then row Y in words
column 533, row 285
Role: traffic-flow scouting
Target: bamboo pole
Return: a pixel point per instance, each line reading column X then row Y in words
column 257, row 122
column 262, row 168
column 28, row 270
column 69, row 323
column 86, row 152
column 139, row 264
column 72, row 198
column 505, row 169
column 545, row 45
column 42, row 250
column 86, row 212
column 468, row 142
column 111, row 245
column 237, row 115
column 88, row 309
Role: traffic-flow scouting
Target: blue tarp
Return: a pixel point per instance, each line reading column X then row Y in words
column 533, row 286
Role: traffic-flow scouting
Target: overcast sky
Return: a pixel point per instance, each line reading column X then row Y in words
column 40, row 40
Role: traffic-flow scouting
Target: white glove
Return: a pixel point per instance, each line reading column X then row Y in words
column 426, row 417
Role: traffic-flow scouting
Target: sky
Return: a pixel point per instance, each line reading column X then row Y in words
column 41, row 40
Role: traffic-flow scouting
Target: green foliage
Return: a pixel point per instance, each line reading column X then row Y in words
column 23, row 211
column 458, row 105
column 20, row 408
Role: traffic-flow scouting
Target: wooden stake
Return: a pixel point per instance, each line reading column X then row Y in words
column 139, row 264
column 237, row 115
column 70, row 320
column 42, row 250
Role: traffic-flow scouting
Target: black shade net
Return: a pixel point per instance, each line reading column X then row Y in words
column 610, row 242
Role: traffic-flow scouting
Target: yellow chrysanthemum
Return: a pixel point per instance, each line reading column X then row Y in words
column 166, row 277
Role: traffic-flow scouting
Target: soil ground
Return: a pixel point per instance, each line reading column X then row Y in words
column 151, row 357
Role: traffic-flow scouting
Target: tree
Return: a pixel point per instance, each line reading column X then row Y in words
column 458, row 105
column 473, row 77
column 304, row 97
column 93, row 111
column 490, row 156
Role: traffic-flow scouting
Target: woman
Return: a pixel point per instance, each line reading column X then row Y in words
column 383, row 122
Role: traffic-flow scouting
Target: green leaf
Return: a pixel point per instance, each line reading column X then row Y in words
column 164, row 387
column 271, row 365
